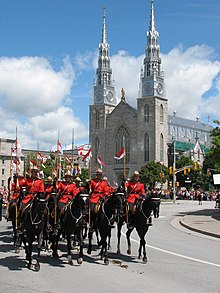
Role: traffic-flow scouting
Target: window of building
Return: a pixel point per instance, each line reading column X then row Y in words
column 146, row 113
column 146, row 148
column 161, row 148
column 3, row 171
column 161, row 114
column 97, row 119
column 3, row 161
column 3, row 183
column 123, row 139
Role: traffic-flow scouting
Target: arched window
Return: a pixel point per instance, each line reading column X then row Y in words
column 123, row 139
column 146, row 113
column 97, row 146
column 97, row 119
column 161, row 148
column 146, row 148
column 161, row 114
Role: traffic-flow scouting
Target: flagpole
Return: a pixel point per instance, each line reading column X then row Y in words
column 57, row 156
column 90, row 168
column 125, row 166
column 72, row 144
column 16, row 150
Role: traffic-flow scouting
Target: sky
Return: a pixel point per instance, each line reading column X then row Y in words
column 48, row 59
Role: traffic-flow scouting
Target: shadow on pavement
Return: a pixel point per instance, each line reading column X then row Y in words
column 215, row 214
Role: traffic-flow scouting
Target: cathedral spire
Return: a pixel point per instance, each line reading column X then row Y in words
column 152, row 78
column 104, row 34
column 104, row 91
column 152, row 26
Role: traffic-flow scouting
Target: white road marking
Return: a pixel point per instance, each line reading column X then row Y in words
column 176, row 254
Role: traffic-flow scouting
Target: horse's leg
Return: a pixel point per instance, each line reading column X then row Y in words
column 105, row 251
column 109, row 240
column 119, row 226
column 68, row 237
column 39, row 244
column 128, row 234
column 89, row 250
column 80, row 237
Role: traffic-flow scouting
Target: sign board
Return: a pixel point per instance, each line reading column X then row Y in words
column 216, row 179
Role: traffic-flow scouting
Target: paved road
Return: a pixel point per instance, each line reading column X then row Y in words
column 180, row 261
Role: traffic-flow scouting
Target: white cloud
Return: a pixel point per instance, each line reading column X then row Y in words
column 189, row 75
column 30, row 86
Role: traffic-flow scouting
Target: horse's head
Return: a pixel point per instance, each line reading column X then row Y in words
column 120, row 200
column 40, row 202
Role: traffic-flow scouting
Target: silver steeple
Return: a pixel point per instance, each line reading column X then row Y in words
column 104, row 86
column 152, row 77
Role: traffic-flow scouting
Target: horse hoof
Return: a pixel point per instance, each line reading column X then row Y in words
column 118, row 251
column 79, row 260
column 17, row 249
column 37, row 267
column 106, row 261
column 144, row 259
column 139, row 257
column 70, row 261
column 129, row 251
column 109, row 247
column 89, row 251
column 55, row 255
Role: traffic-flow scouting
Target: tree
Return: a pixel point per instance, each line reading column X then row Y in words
column 153, row 172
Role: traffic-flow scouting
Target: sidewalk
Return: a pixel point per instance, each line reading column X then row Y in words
column 206, row 221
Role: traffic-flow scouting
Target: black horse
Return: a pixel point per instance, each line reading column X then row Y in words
column 51, row 232
column 73, row 226
column 121, row 215
column 102, row 221
column 145, row 207
column 33, row 225
column 14, row 206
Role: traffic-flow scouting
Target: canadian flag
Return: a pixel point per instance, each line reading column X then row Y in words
column 120, row 154
column 59, row 147
column 68, row 159
column 80, row 151
column 39, row 156
column 44, row 159
column 88, row 154
column 101, row 163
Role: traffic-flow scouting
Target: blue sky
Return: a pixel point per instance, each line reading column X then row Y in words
column 48, row 57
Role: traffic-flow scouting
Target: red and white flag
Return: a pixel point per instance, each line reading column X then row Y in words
column 68, row 159
column 88, row 155
column 80, row 151
column 43, row 161
column 120, row 154
column 39, row 156
column 101, row 163
column 59, row 147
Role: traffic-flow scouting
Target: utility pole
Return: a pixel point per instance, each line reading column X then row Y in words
column 174, row 169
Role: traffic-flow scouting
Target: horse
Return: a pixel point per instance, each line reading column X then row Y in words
column 102, row 221
column 74, row 224
column 142, row 217
column 13, row 215
column 51, row 231
column 121, row 215
column 33, row 224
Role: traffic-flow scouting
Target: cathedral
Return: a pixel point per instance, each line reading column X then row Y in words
column 141, row 131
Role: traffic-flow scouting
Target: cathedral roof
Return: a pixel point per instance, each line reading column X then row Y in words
column 198, row 125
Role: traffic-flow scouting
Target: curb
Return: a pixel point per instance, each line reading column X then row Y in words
column 198, row 230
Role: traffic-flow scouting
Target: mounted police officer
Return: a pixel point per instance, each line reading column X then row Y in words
column 135, row 190
column 34, row 185
column 66, row 190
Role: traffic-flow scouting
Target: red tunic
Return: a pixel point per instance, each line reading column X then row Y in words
column 15, row 189
column 48, row 190
column 99, row 188
column 33, row 186
column 134, row 190
column 66, row 191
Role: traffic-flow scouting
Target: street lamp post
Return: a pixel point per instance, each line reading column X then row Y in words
column 174, row 170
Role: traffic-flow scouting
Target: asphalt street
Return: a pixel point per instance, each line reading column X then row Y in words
column 179, row 260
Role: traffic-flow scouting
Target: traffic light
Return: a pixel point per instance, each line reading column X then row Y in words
column 171, row 170
column 189, row 170
column 170, row 183
column 177, row 183
column 196, row 166
column 209, row 172
column 184, row 171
